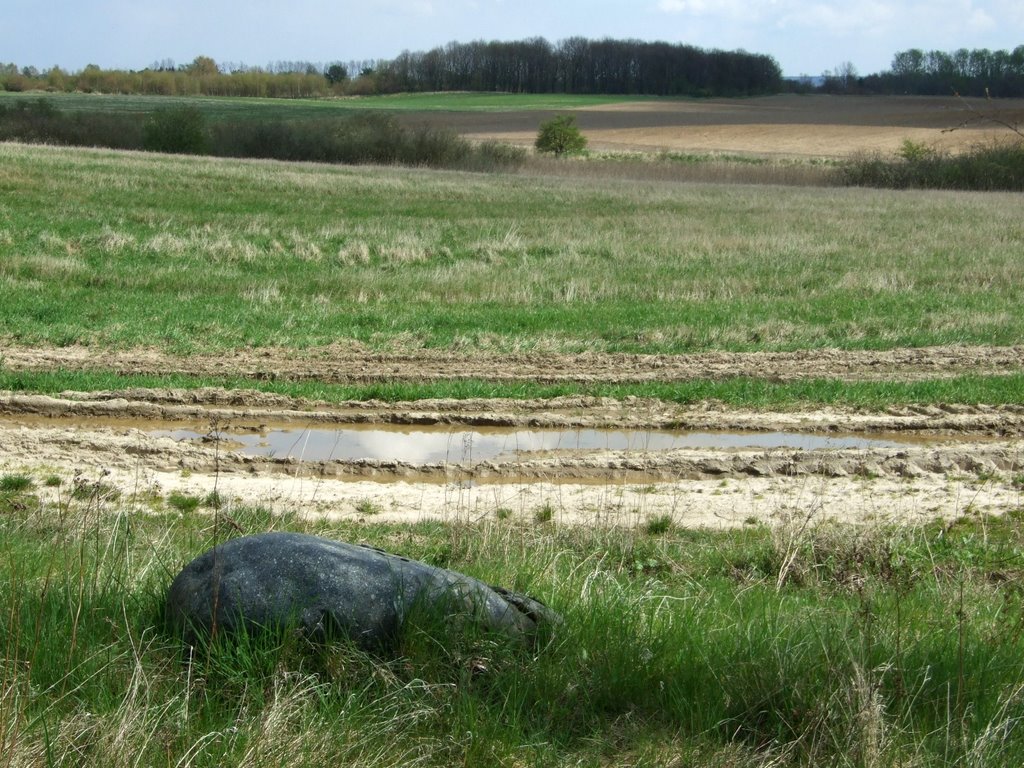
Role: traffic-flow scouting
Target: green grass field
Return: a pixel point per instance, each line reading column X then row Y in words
column 787, row 646
column 793, row 645
column 122, row 250
column 300, row 109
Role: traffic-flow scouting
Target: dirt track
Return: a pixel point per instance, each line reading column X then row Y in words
column 956, row 460
column 354, row 364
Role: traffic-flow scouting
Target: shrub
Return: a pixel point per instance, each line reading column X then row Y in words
column 178, row 130
column 39, row 121
column 915, row 151
column 15, row 83
column 250, row 138
column 494, row 156
column 183, row 502
column 367, row 507
column 436, row 148
column 31, row 121
column 544, row 514
column 98, row 129
column 365, row 138
column 560, row 136
column 15, row 483
column 986, row 167
column 361, row 138
column 656, row 526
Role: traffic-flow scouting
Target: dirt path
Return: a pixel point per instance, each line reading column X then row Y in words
column 354, row 364
column 963, row 460
column 951, row 461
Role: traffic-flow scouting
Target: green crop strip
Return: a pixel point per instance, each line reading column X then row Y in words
column 737, row 392
column 219, row 107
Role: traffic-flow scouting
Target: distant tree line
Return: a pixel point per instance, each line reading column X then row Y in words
column 203, row 77
column 975, row 72
column 579, row 65
column 575, row 65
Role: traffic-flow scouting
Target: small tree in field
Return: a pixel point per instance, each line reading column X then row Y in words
column 560, row 135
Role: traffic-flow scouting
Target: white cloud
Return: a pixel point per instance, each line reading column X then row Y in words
column 912, row 20
column 827, row 14
column 840, row 18
column 980, row 21
column 420, row 8
column 730, row 9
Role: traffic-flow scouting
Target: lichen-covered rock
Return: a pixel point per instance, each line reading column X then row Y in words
column 330, row 588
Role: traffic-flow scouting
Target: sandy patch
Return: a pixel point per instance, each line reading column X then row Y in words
column 966, row 460
column 701, row 503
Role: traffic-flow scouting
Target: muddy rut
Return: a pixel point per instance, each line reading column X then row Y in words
column 948, row 461
column 355, row 364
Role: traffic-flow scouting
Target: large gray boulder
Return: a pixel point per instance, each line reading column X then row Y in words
column 330, row 588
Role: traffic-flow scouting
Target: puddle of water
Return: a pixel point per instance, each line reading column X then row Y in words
column 458, row 444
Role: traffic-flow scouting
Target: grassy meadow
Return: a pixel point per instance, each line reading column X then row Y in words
column 796, row 645
column 123, row 250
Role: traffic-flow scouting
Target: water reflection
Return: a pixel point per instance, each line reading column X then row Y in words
column 459, row 444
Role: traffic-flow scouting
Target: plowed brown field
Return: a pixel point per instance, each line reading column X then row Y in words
column 774, row 126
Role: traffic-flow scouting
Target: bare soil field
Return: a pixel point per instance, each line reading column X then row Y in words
column 796, row 126
column 950, row 460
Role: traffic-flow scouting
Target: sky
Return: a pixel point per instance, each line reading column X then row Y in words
column 805, row 37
